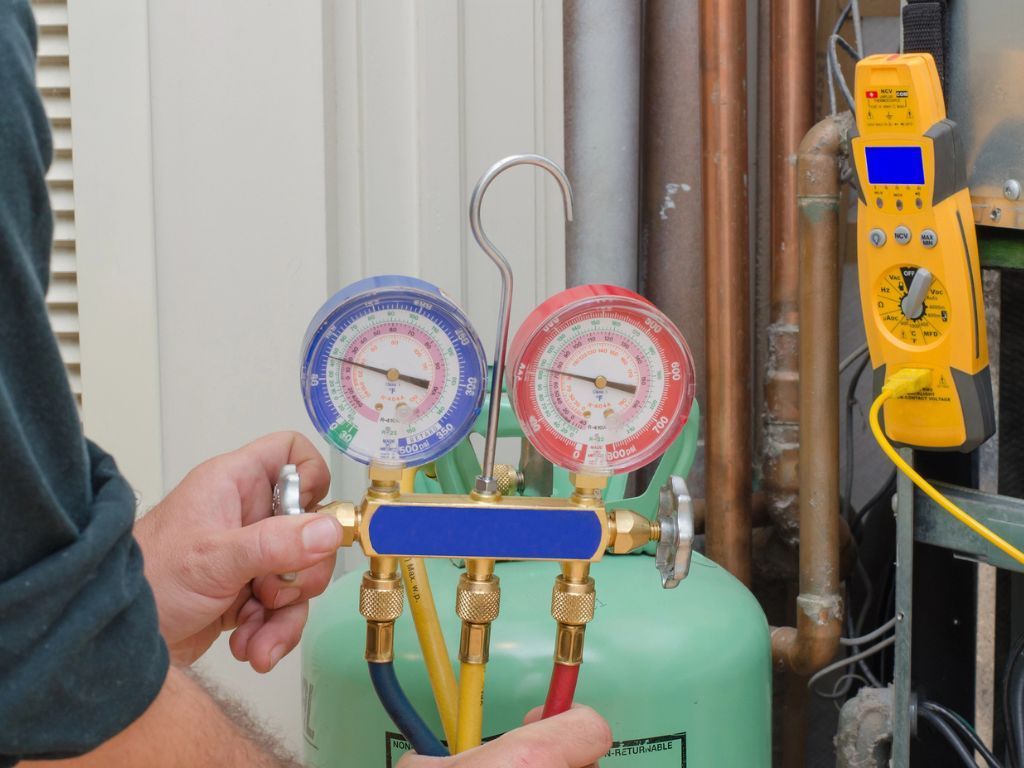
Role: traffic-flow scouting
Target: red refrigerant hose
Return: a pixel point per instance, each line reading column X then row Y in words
column 561, row 690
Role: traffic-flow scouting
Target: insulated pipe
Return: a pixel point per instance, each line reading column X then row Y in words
column 792, row 114
column 727, row 283
column 815, row 639
column 602, row 139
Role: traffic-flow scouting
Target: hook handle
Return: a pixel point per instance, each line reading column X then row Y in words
column 485, row 482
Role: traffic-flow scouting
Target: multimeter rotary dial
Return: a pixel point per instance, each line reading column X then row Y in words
column 912, row 305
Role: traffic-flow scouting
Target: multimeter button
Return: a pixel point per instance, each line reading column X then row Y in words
column 929, row 238
column 901, row 235
column 877, row 237
column 899, row 205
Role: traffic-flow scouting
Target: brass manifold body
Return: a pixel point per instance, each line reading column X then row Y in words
column 622, row 531
column 478, row 597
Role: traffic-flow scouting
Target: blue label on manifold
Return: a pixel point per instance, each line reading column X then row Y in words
column 497, row 533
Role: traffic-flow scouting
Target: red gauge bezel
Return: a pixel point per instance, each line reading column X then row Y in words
column 542, row 327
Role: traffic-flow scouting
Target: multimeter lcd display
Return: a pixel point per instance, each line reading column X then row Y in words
column 894, row 165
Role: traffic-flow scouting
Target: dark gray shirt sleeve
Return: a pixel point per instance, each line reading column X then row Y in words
column 80, row 651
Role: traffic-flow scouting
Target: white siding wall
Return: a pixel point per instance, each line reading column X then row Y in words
column 54, row 80
column 250, row 157
column 428, row 96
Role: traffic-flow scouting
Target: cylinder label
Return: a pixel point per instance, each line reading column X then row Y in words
column 652, row 752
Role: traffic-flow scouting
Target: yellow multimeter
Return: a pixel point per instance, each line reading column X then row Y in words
column 917, row 254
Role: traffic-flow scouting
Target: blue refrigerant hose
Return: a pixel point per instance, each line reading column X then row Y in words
column 401, row 711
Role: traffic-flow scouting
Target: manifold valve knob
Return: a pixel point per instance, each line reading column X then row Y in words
column 508, row 478
column 675, row 545
column 286, row 492
column 286, row 499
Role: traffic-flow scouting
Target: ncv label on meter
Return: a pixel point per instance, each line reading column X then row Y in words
column 652, row 752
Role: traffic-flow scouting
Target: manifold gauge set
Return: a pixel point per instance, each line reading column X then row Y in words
column 394, row 376
column 393, row 372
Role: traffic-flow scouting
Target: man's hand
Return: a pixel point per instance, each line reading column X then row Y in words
column 575, row 739
column 212, row 553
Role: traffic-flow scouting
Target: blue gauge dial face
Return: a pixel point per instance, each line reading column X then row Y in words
column 393, row 373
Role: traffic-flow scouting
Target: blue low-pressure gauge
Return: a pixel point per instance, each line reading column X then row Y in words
column 392, row 371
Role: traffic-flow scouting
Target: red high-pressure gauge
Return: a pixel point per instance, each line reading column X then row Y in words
column 600, row 379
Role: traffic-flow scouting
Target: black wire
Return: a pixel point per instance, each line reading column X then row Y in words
column 882, row 498
column 1011, row 741
column 851, row 402
column 965, row 731
column 848, row 48
column 1016, row 732
column 947, row 732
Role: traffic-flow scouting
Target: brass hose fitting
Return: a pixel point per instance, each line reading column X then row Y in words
column 630, row 530
column 349, row 515
column 381, row 602
column 477, row 603
column 385, row 481
column 572, row 605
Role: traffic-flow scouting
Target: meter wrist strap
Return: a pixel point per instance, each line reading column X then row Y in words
column 925, row 27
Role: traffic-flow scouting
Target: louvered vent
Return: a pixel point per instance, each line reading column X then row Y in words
column 54, row 79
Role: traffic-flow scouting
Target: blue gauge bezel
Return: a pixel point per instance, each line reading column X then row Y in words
column 406, row 294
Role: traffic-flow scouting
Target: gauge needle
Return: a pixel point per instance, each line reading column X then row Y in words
column 599, row 381
column 391, row 373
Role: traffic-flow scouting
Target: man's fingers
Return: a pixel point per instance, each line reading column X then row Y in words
column 533, row 715
column 275, row 545
column 269, row 454
column 276, row 636
column 250, row 619
column 274, row 592
column 574, row 739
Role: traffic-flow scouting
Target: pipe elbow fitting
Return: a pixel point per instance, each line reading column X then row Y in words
column 806, row 648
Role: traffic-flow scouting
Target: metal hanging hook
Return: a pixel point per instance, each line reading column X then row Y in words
column 485, row 483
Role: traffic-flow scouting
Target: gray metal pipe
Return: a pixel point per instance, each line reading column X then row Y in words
column 602, row 139
column 672, row 233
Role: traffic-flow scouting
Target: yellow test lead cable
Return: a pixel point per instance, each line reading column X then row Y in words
column 428, row 630
column 908, row 381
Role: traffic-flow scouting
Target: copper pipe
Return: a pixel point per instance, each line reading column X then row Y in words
column 758, row 512
column 723, row 27
column 792, row 114
column 814, row 641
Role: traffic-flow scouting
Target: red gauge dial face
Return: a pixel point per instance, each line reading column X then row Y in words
column 600, row 379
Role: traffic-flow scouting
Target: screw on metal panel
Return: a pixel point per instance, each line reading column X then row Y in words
column 1011, row 189
column 996, row 214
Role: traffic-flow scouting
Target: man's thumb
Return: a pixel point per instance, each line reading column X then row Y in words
column 280, row 545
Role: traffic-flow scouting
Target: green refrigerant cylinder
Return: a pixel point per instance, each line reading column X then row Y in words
column 683, row 676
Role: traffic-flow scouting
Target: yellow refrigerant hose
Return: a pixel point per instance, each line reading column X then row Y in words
column 905, row 382
column 471, row 707
column 428, row 630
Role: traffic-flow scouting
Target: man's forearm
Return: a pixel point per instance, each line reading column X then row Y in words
column 184, row 727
